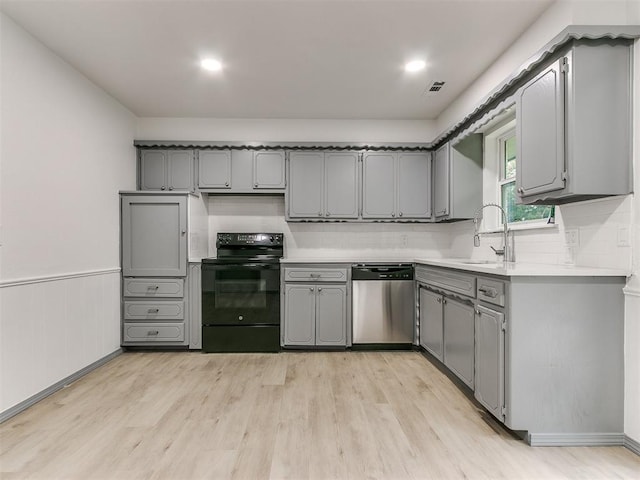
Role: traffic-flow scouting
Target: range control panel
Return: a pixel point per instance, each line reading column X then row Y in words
column 240, row 239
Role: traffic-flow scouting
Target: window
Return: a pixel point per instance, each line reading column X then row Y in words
column 499, row 179
column 507, row 185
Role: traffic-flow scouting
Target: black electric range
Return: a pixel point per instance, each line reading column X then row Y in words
column 241, row 293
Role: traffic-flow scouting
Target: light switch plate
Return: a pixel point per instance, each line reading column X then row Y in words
column 624, row 237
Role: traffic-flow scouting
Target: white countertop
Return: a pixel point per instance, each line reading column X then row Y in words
column 523, row 269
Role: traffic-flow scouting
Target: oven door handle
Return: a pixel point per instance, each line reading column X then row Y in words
column 253, row 266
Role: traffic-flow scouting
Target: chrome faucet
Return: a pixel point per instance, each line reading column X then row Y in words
column 505, row 252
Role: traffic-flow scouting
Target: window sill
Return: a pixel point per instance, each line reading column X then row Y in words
column 521, row 227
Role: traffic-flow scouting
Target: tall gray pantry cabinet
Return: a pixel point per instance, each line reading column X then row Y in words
column 154, row 269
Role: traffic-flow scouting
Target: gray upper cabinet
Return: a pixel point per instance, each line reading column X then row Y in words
column 154, row 240
column 396, row 185
column 322, row 186
column 268, row 170
column 166, row 170
column 573, row 126
column 457, row 179
column 214, row 169
column 306, row 185
column 241, row 171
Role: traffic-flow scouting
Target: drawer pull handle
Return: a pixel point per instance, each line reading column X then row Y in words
column 153, row 332
column 489, row 292
column 153, row 287
column 153, row 310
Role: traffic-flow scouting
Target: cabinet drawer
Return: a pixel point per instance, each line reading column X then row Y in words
column 150, row 332
column 452, row 281
column 153, row 287
column 154, row 310
column 315, row 275
column 491, row 291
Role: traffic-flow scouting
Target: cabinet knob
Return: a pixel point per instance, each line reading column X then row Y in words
column 319, row 289
column 520, row 190
column 162, row 188
column 226, row 184
column 328, row 214
column 439, row 300
column 153, row 332
column 255, row 184
column 400, row 214
column 153, row 310
column 319, row 214
column 393, row 214
column 184, row 232
column 311, row 289
column 170, row 188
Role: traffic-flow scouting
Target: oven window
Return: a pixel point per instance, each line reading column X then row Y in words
column 241, row 293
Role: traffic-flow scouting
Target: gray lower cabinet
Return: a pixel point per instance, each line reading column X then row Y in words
column 322, row 186
column 457, row 179
column 458, row 346
column 396, row 185
column 241, row 171
column 166, row 170
column 315, row 306
column 489, row 360
column 547, row 350
column 431, row 322
column 315, row 315
column 573, row 130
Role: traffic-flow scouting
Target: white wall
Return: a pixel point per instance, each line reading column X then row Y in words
column 348, row 241
column 283, row 130
column 65, row 151
column 599, row 222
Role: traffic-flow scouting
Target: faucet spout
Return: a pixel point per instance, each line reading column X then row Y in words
column 506, row 252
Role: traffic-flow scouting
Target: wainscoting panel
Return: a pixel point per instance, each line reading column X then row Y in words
column 53, row 327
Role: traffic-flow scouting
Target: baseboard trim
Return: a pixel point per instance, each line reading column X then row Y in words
column 576, row 439
column 20, row 407
column 632, row 444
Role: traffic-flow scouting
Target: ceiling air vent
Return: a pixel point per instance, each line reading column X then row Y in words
column 434, row 87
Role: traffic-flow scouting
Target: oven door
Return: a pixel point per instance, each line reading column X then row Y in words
column 241, row 294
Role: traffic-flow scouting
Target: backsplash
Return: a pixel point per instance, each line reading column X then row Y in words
column 602, row 229
column 350, row 241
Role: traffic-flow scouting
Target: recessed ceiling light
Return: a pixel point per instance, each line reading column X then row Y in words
column 415, row 66
column 211, row 64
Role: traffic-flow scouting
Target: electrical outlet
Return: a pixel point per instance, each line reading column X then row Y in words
column 569, row 256
column 624, row 237
column 572, row 237
column 404, row 240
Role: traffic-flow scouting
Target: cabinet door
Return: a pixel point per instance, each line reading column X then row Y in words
column 305, row 185
column 180, row 170
column 214, row 169
column 441, row 181
column 153, row 169
column 459, row 339
column 431, row 322
column 268, row 170
column 378, row 185
column 540, row 133
column 331, row 315
column 414, row 185
column 299, row 314
column 489, row 361
column 341, row 185
column 154, row 236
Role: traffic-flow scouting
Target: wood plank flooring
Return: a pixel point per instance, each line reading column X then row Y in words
column 293, row 415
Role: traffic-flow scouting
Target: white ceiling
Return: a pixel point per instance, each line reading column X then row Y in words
column 338, row 59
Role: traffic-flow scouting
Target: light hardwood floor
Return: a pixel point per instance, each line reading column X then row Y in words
column 297, row 415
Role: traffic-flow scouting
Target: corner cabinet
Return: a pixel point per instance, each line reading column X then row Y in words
column 166, row 170
column 241, row 171
column 396, row 185
column 574, row 126
column 315, row 309
column 457, row 179
column 322, row 186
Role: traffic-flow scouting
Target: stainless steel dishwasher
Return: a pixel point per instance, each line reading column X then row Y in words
column 383, row 305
